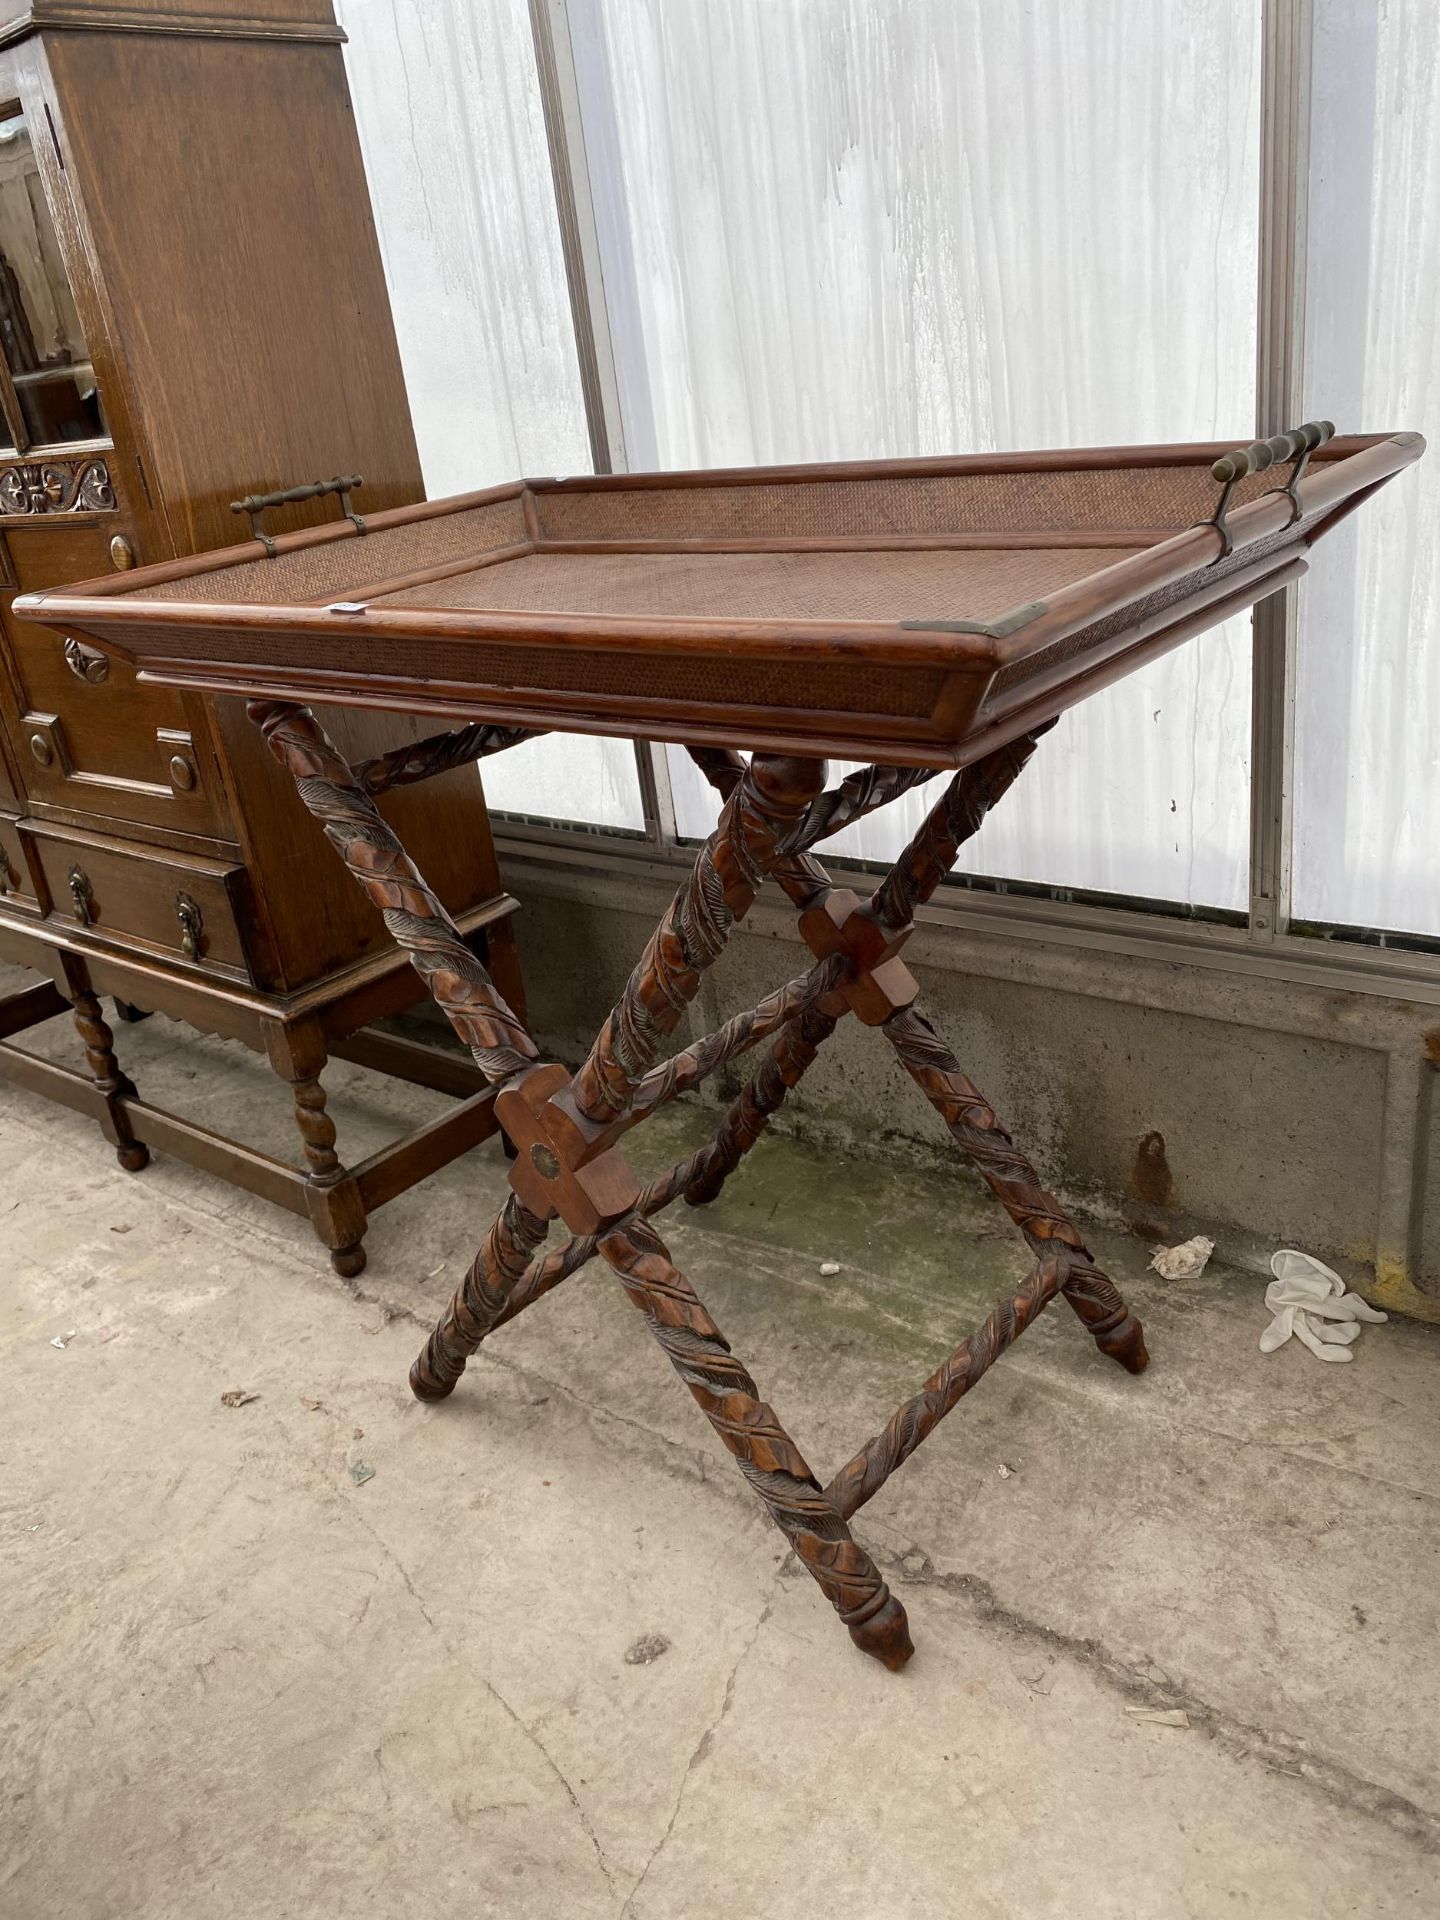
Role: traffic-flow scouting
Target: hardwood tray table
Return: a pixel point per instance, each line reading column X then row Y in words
column 916, row 615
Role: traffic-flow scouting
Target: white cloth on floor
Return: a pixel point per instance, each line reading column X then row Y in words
column 1309, row 1300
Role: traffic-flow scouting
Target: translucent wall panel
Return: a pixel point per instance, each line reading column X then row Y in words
column 448, row 110
column 888, row 227
column 1367, row 773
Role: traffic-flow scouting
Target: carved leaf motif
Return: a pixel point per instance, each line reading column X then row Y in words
column 57, row 486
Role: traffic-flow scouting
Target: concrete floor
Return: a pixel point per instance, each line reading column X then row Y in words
column 236, row 1682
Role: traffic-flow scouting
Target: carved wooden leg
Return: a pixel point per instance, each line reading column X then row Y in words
column 106, row 1072
column 297, row 1053
column 1014, row 1182
column 791, row 1053
column 768, row 1457
column 480, row 1301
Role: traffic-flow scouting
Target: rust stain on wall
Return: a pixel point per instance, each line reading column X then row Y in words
column 1150, row 1178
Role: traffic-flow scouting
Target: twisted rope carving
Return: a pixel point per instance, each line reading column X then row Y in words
column 954, row 819
column 688, row 1069
column 461, row 987
column 1010, row 1177
column 755, row 824
column 765, row 1453
column 480, row 1301
column 859, row 793
column 864, row 1476
column 439, row 754
column 751, row 1111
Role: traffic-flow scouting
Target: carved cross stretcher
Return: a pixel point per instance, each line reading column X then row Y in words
column 914, row 615
column 566, row 1129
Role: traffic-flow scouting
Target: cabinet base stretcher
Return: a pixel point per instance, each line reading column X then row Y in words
column 565, row 1129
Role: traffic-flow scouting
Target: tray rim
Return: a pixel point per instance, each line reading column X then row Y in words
column 1334, row 482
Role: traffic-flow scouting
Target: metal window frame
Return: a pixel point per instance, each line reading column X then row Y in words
column 1265, row 947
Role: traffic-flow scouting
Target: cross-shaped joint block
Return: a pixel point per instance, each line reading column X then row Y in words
column 562, row 1169
column 880, row 983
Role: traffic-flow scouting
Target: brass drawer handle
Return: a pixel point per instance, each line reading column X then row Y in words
column 87, row 663
column 82, row 895
column 192, row 925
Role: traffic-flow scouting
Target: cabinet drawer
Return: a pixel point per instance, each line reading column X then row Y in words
column 16, row 887
column 189, row 910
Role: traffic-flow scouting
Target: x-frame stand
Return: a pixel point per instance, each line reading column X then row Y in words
column 565, row 1128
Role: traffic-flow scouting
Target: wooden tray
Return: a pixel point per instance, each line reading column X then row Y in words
column 917, row 611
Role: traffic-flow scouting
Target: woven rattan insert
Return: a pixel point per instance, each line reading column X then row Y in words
column 337, row 567
column 1090, row 498
column 883, row 585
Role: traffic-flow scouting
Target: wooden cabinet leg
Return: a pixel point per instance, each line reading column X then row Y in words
column 297, row 1053
column 106, row 1072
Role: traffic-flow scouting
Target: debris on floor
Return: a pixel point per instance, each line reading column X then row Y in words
column 648, row 1648
column 829, row 1268
column 312, row 1406
column 237, row 1397
column 1185, row 1262
column 1309, row 1300
column 361, row 1471
column 1160, row 1716
column 62, row 1340
column 1005, row 1471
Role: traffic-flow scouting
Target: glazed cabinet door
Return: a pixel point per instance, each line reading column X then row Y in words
column 87, row 739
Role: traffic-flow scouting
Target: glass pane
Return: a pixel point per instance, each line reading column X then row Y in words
column 1367, row 752
column 567, row 776
column 39, row 327
column 891, row 227
column 448, row 109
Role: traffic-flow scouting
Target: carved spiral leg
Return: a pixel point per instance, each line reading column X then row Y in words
column 767, row 1456
column 106, row 1072
column 864, row 1476
column 791, row 1053
column 480, row 1301
column 417, row 921
column 1011, row 1178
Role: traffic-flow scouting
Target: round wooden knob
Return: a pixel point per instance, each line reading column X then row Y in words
column 182, row 774
column 41, row 748
column 122, row 554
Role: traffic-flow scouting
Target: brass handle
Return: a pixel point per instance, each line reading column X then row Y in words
column 1273, row 452
column 255, row 504
column 122, row 554
column 41, row 751
column 86, row 663
column 192, row 925
column 1231, row 468
column 81, row 895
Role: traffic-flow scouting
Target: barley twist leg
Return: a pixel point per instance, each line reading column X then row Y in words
column 767, row 1456
column 417, row 921
column 1014, row 1182
column 108, row 1075
column 792, row 1053
column 480, row 1301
